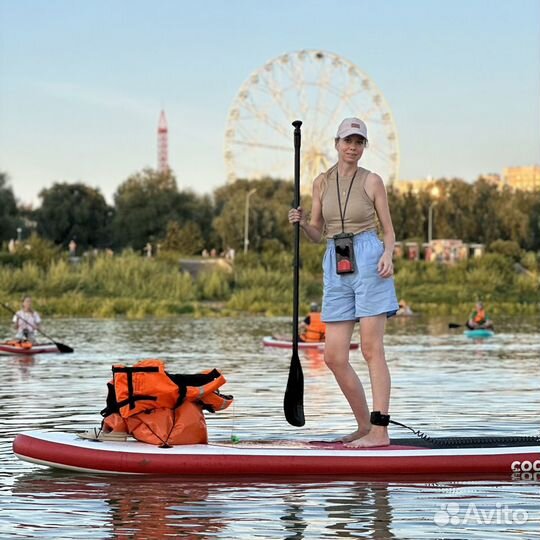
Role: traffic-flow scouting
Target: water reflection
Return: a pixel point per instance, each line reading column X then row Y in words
column 437, row 375
column 315, row 359
column 24, row 364
column 157, row 507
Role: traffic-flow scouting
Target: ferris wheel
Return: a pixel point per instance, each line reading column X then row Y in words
column 320, row 88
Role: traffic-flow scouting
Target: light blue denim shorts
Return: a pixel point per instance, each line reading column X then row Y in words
column 348, row 297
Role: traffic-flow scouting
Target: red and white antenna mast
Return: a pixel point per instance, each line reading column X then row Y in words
column 163, row 144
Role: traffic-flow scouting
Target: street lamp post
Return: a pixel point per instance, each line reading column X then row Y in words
column 435, row 194
column 430, row 224
column 246, row 219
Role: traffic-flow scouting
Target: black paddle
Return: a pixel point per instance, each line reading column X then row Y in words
column 293, row 404
column 455, row 325
column 61, row 347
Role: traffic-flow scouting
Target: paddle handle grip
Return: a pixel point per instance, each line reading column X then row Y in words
column 297, row 143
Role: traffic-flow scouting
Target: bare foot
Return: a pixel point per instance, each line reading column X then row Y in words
column 378, row 436
column 353, row 436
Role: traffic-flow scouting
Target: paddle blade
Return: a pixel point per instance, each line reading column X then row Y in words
column 454, row 325
column 293, row 404
column 63, row 348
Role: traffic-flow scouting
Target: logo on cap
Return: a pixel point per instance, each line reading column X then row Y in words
column 355, row 125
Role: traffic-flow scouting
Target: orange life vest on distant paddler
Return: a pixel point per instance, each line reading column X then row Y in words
column 480, row 316
column 316, row 329
column 20, row 344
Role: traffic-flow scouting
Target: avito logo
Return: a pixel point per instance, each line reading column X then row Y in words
column 454, row 514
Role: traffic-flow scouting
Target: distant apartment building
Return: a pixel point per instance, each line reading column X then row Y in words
column 524, row 178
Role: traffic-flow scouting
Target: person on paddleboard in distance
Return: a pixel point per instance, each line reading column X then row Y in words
column 358, row 282
column 25, row 321
column 479, row 318
column 312, row 329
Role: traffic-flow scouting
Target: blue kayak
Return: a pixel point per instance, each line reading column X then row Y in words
column 478, row 333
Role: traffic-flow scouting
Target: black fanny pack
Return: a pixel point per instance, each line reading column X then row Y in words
column 343, row 243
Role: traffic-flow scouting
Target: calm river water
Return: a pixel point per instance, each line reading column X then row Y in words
column 443, row 383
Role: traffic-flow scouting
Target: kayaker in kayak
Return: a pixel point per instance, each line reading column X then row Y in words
column 358, row 283
column 311, row 329
column 25, row 321
column 479, row 318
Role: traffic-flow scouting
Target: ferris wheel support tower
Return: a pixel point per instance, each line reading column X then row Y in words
column 163, row 144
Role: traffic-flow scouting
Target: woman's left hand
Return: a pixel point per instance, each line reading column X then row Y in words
column 385, row 267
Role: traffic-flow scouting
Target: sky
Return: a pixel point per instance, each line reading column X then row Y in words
column 82, row 83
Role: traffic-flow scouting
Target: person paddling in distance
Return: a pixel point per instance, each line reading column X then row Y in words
column 358, row 282
column 26, row 321
column 478, row 318
column 310, row 330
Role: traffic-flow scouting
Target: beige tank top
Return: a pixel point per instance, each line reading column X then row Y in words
column 360, row 215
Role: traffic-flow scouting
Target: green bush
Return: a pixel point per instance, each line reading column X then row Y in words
column 34, row 249
column 214, row 285
column 508, row 248
column 133, row 286
column 530, row 261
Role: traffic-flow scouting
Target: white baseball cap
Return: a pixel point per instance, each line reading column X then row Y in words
column 352, row 126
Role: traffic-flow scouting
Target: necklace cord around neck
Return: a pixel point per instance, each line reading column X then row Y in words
column 342, row 212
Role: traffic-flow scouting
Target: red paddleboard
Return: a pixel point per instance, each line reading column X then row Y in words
column 10, row 349
column 506, row 455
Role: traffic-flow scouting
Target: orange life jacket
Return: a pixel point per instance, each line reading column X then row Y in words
column 316, row 329
column 164, row 427
column 20, row 344
column 144, row 386
column 480, row 316
column 162, row 408
column 206, row 392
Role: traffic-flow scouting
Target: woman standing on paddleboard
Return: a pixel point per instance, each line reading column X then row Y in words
column 358, row 283
column 26, row 321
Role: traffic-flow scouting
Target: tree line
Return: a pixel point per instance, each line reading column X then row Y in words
column 149, row 208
